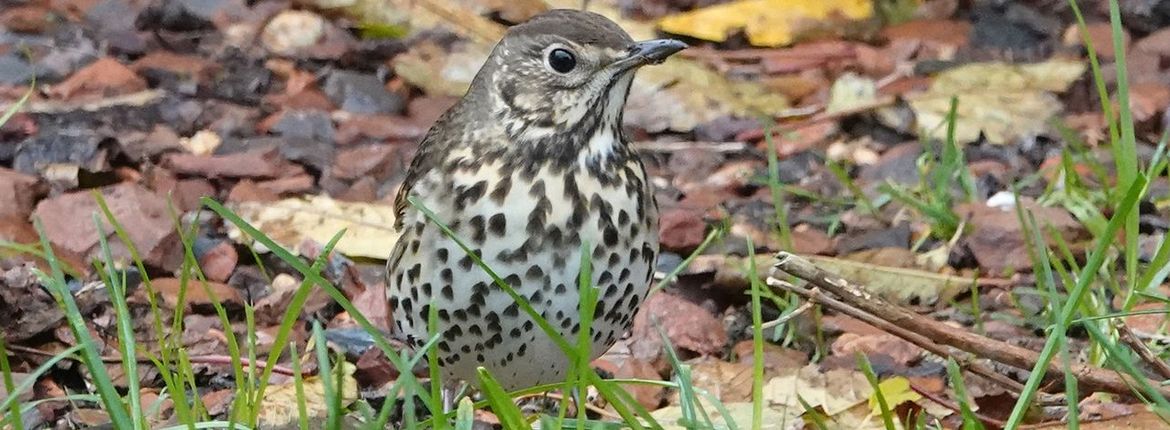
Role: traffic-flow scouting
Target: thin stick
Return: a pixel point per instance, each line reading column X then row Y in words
column 925, row 329
column 1130, row 338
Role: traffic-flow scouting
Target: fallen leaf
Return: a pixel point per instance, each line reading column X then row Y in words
column 1002, row 101
column 740, row 413
column 728, row 382
column 896, row 391
column 768, row 22
column 833, row 391
column 279, row 406
column 369, row 227
column 903, row 286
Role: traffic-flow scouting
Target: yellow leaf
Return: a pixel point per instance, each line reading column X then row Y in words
column 1002, row 101
column 896, row 391
column 369, row 227
column 767, row 22
column 279, row 406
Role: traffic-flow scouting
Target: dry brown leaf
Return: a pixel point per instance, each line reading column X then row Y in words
column 897, row 284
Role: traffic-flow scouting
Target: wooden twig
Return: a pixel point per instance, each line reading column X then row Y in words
column 1130, row 338
column 964, row 360
column 922, row 330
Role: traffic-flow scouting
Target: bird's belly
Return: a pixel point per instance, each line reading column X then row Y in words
column 531, row 233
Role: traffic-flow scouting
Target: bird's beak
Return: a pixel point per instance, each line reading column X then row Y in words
column 651, row 52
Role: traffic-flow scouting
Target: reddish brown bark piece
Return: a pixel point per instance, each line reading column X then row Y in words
column 688, row 326
column 18, row 193
column 105, row 77
column 68, row 222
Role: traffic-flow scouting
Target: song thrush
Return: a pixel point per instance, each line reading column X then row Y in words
column 526, row 168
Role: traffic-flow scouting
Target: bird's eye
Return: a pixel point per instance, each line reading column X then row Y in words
column 561, row 60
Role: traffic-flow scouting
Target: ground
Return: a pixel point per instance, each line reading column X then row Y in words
column 992, row 171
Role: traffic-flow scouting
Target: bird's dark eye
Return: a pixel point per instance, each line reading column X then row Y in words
column 562, row 60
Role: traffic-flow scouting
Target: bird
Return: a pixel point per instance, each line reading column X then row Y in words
column 530, row 169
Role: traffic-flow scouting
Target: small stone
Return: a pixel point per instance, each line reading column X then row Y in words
column 70, row 146
column 292, row 30
column 688, row 326
column 219, row 262
column 681, row 230
column 202, row 142
column 361, row 93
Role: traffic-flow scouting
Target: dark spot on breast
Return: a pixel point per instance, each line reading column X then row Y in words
column 623, row 218
column 534, row 272
column 413, row 273
column 498, row 224
column 460, row 315
column 512, row 311
column 599, row 311
column 446, row 275
column 538, row 218
column 478, row 234
column 470, row 195
column 610, row 236
column 514, row 281
column 474, row 330
column 426, row 289
column 448, row 292
column 501, row 190
column 441, row 255
column 515, row 333
column 622, row 277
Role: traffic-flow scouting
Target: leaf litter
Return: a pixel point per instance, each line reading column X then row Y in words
column 304, row 119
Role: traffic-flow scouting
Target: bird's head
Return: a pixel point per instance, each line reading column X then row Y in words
column 565, row 72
